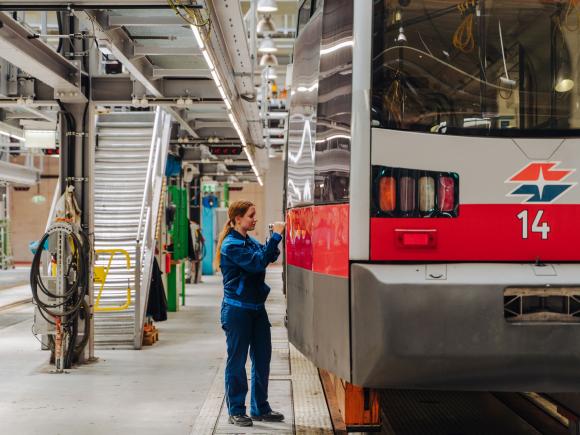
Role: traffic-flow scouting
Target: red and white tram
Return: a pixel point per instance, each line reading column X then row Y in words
column 433, row 212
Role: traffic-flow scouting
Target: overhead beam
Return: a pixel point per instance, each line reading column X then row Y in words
column 117, row 88
column 31, row 113
column 12, row 103
column 123, row 49
column 19, row 174
column 194, row 114
column 160, row 50
column 85, row 4
column 154, row 21
column 49, row 116
column 213, row 124
column 19, row 47
column 233, row 58
column 11, row 131
column 180, row 72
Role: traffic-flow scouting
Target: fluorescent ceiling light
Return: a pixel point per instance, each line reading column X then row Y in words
column 249, row 156
column 197, row 36
column 207, row 59
column 224, row 97
column 215, row 77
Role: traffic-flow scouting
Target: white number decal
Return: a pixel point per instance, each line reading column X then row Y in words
column 523, row 216
column 537, row 227
column 540, row 228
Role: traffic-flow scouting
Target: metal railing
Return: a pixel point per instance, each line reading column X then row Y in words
column 150, row 206
column 100, row 276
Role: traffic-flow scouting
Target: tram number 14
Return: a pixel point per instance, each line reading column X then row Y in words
column 537, row 225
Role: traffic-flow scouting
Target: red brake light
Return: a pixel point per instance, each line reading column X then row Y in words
column 446, row 194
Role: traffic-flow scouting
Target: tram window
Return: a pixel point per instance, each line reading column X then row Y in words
column 304, row 14
column 332, row 162
column 302, row 117
column 316, row 4
column 495, row 68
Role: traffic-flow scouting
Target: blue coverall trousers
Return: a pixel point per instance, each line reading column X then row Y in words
column 247, row 329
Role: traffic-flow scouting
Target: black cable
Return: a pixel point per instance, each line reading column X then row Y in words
column 85, row 314
column 72, row 336
column 69, row 295
column 71, row 304
column 59, row 20
column 72, row 298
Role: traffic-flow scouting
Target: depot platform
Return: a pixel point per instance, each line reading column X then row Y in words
column 175, row 386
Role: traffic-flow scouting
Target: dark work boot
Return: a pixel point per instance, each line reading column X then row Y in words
column 241, row 420
column 271, row 416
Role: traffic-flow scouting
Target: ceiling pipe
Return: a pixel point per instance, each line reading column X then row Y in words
column 253, row 35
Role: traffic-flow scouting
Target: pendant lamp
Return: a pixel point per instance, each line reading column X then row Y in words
column 267, row 6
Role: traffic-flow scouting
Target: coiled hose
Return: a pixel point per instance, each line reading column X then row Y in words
column 71, row 305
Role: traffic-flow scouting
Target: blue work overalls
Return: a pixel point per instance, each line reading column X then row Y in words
column 244, row 319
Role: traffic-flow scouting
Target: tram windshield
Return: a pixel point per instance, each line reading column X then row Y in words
column 480, row 67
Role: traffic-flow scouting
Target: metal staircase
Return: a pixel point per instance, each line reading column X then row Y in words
column 130, row 155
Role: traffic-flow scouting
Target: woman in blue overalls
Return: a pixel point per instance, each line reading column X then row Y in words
column 243, row 261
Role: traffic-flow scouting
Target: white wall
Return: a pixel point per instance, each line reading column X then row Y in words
column 273, row 182
column 268, row 199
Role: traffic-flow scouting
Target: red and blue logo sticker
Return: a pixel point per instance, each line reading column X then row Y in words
column 541, row 182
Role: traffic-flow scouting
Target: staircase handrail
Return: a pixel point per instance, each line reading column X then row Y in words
column 150, row 205
column 149, row 170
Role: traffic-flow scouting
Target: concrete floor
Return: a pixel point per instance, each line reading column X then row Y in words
column 14, row 277
column 158, row 390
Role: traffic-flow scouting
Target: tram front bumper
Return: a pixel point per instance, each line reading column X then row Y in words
column 444, row 327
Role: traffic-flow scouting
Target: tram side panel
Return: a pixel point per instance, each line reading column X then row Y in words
column 318, row 287
column 318, row 159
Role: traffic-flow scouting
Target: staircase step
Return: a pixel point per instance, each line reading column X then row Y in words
column 122, row 176
column 123, row 130
column 128, row 146
column 108, row 223
column 138, row 184
column 127, row 117
column 115, row 168
column 122, row 162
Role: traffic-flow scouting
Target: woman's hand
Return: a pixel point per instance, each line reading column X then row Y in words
column 279, row 227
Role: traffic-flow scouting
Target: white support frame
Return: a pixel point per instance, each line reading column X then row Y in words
column 360, row 156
